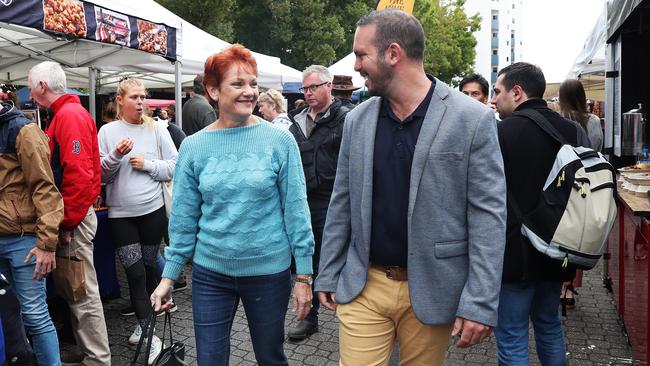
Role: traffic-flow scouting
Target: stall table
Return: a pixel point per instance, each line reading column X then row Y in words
column 629, row 267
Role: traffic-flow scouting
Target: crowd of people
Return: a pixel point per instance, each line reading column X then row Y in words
column 393, row 213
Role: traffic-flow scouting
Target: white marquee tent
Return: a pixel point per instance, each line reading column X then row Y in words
column 92, row 64
column 590, row 65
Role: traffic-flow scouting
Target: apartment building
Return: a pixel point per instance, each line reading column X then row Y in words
column 499, row 41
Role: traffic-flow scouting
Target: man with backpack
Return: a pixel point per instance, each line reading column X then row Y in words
column 531, row 281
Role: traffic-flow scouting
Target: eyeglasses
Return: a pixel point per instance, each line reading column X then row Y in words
column 311, row 88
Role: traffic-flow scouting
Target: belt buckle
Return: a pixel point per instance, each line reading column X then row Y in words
column 389, row 272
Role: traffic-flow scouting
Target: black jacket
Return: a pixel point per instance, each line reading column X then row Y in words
column 320, row 152
column 528, row 155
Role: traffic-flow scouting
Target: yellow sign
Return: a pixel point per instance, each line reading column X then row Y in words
column 405, row 5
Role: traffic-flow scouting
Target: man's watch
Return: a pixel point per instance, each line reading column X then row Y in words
column 307, row 280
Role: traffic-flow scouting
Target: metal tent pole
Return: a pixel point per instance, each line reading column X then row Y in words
column 178, row 96
column 92, row 100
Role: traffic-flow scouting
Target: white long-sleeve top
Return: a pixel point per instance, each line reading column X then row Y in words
column 131, row 192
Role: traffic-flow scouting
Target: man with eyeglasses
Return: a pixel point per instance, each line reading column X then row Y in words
column 318, row 129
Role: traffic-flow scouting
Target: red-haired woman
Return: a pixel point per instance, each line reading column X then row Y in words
column 240, row 211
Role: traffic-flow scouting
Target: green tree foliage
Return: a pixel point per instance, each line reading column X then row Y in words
column 299, row 32
column 208, row 15
column 302, row 33
column 347, row 13
column 449, row 49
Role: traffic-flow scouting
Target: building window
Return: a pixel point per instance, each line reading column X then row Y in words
column 513, row 6
column 494, row 52
column 495, row 35
column 494, row 69
column 507, row 43
column 513, row 20
column 507, row 59
column 494, row 17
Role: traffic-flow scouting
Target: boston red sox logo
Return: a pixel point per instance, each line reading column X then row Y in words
column 76, row 147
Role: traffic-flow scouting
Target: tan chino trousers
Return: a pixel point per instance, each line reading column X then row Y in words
column 88, row 313
column 370, row 324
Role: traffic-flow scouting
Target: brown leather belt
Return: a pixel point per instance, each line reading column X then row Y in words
column 394, row 273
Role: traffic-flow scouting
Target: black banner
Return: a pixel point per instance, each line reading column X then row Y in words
column 81, row 19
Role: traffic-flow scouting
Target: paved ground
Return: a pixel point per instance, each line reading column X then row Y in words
column 594, row 334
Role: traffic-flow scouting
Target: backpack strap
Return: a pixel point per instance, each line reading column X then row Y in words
column 550, row 130
column 544, row 124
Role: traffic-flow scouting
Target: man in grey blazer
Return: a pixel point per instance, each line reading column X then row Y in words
column 414, row 238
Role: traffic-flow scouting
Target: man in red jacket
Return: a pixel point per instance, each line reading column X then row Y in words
column 75, row 163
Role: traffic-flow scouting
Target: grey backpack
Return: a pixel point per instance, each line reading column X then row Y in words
column 576, row 209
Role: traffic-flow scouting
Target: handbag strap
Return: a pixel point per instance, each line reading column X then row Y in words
column 168, row 319
column 160, row 154
column 147, row 332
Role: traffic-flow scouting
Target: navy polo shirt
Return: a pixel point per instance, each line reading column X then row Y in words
column 394, row 147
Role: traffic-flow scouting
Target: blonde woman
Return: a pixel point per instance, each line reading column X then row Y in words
column 136, row 156
column 271, row 106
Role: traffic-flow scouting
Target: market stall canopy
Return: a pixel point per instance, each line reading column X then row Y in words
column 593, row 49
column 589, row 66
column 22, row 47
column 619, row 11
column 23, row 94
column 158, row 103
column 97, row 33
column 197, row 46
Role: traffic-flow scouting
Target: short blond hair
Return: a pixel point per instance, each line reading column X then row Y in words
column 274, row 98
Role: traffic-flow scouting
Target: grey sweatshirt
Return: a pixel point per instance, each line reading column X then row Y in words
column 131, row 192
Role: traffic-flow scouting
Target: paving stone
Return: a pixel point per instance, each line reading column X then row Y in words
column 593, row 331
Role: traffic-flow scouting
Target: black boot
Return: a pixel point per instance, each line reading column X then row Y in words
column 304, row 329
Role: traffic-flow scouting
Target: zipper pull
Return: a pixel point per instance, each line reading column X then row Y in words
column 560, row 179
column 565, row 262
column 583, row 191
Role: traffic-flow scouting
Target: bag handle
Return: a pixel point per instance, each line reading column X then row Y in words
column 168, row 319
column 147, row 332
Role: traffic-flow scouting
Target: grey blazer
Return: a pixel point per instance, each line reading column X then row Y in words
column 456, row 213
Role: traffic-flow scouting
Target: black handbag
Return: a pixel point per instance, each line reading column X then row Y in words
column 174, row 355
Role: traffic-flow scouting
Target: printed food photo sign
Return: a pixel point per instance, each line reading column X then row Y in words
column 112, row 27
column 64, row 16
column 82, row 19
column 152, row 37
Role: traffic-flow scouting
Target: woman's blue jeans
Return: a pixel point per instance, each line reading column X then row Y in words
column 215, row 298
column 31, row 294
column 538, row 302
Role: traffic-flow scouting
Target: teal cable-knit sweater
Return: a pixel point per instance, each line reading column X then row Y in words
column 240, row 203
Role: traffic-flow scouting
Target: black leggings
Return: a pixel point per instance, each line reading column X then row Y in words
column 137, row 241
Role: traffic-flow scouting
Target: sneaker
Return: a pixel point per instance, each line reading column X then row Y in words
column 127, row 311
column 180, row 285
column 156, row 347
column 135, row 337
